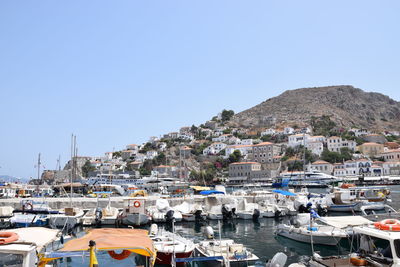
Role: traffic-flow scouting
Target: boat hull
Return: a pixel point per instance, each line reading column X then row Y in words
column 166, row 258
column 345, row 207
column 219, row 263
column 316, row 239
column 135, row 219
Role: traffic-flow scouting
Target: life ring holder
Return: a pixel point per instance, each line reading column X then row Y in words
column 388, row 225
column 119, row 256
column 8, row 237
column 136, row 204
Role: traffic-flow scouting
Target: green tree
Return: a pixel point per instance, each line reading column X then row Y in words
column 86, row 168
column 226, row 115
column 266, row 138
column 295, row 165
column 116, row 154
column 236, row 156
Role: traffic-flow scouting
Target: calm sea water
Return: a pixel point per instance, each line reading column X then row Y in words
column 259, row 237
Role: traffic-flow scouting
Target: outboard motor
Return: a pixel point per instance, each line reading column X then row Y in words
column 98, row 214
column 321, row 211
column 278, row 213
column 197, row 216
column 234, row 212
column 169, row 216
column 256, row 214
column 209, row 232
column 226, row 213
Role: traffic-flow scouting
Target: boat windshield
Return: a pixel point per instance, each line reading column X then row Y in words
column 11, row 259
column 377, row 248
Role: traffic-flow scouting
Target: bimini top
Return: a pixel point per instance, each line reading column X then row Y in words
column 210, row 192
column 134, row 240
column 283, row 192
column 37, row 236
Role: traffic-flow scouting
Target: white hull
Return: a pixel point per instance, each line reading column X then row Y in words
column 328, row 238
column 214, row 216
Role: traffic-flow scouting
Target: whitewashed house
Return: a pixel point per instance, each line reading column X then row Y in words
column 244, row 150
column 151, row 154
column 335, row 143
column 297, row 139
column 315, row 147
column 269, row 131
column 322, row 166
column 214, row 148
column 245, row 142
column 222, row 138
column 288, row 130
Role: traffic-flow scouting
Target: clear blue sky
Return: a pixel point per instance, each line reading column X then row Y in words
column 117, row 72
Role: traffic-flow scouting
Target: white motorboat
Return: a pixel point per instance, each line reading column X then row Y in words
column 167, row 244
column 134, row 212
column 69, row 217
column 27, row 244
column 247, row 211
column 101, row 216
column 306, row 232
column 236, row 254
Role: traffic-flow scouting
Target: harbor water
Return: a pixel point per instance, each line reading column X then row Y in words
column 257, row 236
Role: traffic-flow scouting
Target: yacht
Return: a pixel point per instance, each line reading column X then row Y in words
column 305, row 179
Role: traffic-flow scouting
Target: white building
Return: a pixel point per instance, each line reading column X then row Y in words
column 244, row 149
column 288, row 130
column 297, row 139
column 359, row 132
column 322, row 166
column 245, row 142
column 269, row 131
column 335, row 143
column 214, row 148
column 151, row 154
column 222, row 138
column 315, row 147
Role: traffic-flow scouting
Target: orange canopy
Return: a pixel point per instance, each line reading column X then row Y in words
column 135, row 240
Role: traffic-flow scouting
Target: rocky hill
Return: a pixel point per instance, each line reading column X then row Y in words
column 345, row 105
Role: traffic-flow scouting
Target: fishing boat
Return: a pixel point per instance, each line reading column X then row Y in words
column 303, row 230
column 134, row 212
column 170, row 245
column 378, row 246
column 21, row 247
column 119, row 244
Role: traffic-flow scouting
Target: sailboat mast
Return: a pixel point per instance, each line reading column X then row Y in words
column 38, row 174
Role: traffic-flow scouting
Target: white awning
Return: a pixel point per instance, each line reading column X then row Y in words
column 345, row 221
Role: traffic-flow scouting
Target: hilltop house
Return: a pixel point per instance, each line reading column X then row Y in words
column 315, row 147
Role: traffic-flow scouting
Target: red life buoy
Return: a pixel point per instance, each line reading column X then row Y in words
column 8, row 237
column 357, row 261
column 388, row 225
column 121, row 256
column 136, row 204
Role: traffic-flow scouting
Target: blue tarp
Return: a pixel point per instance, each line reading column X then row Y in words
column 283, row 192
column 210, row 192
